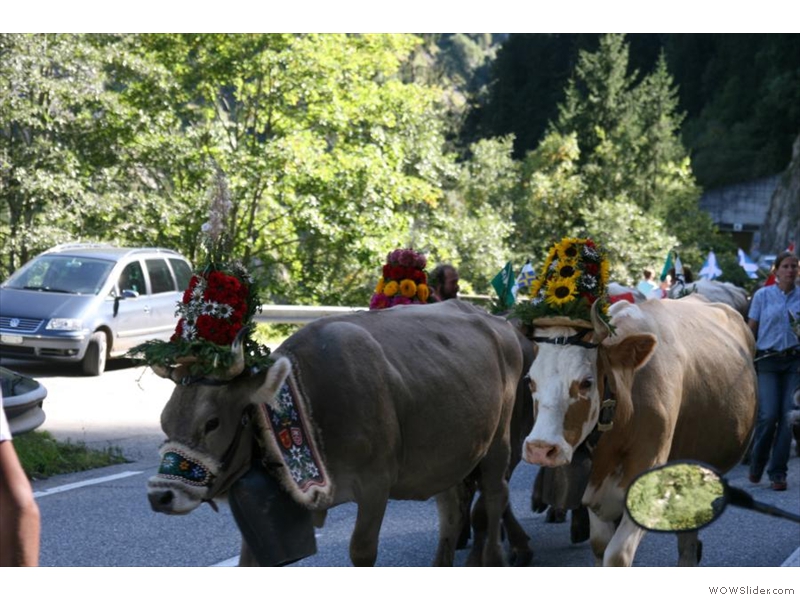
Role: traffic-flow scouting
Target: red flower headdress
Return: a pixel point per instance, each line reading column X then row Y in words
column 403, row 281
column 216, row 310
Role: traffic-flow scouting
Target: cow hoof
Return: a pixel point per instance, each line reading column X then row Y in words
column 555, row 515
column 463, row 539
column 520, row 557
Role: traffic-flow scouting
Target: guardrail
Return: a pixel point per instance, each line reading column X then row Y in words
column 287, row 313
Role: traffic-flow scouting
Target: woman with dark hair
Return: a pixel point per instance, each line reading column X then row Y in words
column 772, row 312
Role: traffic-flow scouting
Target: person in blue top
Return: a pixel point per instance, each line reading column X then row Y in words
column 772, row 311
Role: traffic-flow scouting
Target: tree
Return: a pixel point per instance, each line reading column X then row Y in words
column 55, row 121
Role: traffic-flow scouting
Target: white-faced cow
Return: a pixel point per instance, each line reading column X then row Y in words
column 406, row 403
column 685, row 387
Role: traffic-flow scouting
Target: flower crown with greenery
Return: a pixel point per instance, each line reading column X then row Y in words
column 404, row 280
column 574, row 276
column 217, row 310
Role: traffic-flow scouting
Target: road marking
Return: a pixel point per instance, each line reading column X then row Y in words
column 80, row 484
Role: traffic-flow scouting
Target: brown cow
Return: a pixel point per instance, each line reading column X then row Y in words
column 407, row 402
column 685, row 387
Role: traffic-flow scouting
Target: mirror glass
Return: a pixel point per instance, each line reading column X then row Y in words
column 676, row 497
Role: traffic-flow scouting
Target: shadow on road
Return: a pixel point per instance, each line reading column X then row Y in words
column 44, row 370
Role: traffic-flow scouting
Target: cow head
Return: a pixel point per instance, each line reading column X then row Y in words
column 209, row 428
column 567, row 380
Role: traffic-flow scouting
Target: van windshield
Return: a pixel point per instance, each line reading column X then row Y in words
column 62, row 274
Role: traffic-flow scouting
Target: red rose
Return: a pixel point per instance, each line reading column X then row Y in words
column 178, row 332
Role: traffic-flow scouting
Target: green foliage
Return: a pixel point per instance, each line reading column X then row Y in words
column 41, row 455
column 339, row 148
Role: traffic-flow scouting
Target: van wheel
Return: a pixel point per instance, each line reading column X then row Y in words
column 94, row 361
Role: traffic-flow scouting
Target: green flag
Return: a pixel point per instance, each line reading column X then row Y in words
column 667, row 266
column 503, row 283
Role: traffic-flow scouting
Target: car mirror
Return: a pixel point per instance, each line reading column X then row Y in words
column 130, row 294
column 676, row 497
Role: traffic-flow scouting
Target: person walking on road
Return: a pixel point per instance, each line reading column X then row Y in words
column 772, row 311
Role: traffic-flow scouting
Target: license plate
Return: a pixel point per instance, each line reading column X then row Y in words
column 11, row 339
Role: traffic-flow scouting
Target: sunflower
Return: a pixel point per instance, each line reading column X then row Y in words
column 379, row 287
column 567, row 269
column 408, row 288
column 569, row 248
column 536, row 286
column 605, row 270
column 390, row 289
column 560, row 291
column 423, row 292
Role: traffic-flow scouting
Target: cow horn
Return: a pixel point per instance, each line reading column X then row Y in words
column 237, row 349
column 601, row 328
column 161, row 371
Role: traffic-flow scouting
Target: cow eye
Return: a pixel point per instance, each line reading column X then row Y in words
column 587, row 384
column 212, row 424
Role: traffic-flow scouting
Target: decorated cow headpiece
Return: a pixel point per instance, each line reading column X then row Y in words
column 213, row 337
column 403, row 280
column 572, row 282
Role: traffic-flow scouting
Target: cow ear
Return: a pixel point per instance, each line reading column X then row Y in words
column 633, row 352
column 276, row 375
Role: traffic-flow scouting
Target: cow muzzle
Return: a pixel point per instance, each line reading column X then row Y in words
column 183, row 481
column 546, row 454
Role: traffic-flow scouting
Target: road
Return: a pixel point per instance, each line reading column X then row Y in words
column 102, row 518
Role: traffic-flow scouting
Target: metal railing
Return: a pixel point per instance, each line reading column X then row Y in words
column 287, row 313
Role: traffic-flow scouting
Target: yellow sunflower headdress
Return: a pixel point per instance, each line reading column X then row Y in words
column 574, row 275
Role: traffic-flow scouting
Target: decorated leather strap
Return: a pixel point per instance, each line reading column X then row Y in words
column 176, row 464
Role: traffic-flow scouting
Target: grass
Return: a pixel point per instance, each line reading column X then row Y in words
column 42, row 455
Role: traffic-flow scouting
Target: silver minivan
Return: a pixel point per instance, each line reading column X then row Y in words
column 89, row 302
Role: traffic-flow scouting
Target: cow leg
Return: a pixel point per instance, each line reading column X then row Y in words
column 364, row 541
column 246, row 558
column 448, row 504
column 521, row 553
column 622, row 547
column 579, row 525
column 690, row 549
column 494, row 490
column 466, row 496
column 600, row 534
column 475, row 557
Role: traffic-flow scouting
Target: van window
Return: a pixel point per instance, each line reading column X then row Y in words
column 132, row 278
column 183, row 272
column 160, row 277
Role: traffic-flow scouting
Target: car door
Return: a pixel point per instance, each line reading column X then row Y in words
column 164, row 297
column 133, row 323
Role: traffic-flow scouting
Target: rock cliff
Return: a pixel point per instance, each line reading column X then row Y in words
column 782, row 224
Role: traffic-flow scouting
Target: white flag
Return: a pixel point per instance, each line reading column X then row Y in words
column 750, row 267
column 710, row 268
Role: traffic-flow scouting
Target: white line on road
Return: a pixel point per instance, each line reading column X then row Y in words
column 231, row 562
column 80, row 484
